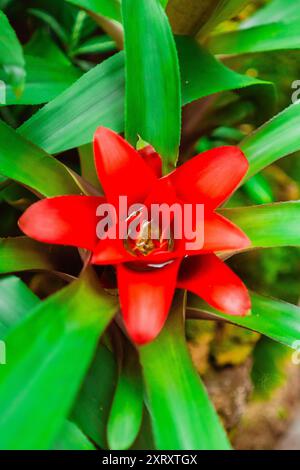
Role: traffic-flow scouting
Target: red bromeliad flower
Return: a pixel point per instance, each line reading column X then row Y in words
column 148, row 271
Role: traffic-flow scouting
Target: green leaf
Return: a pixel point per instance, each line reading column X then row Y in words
column 3, row 181
column 44, row 81
column 22, row 161
column 203, row 75
column 92, row 406
column 126, row 414
column 268, row 225
column 71, row 438
column 16, row 300
column 109, row 8
column 11, row 55
column 97, row 98
column 43, row 46
column 145, row 438
column 96, row 45
column 269, row 37
column 195, row 16
column 49, row 352
column 269, row 370
column 273, row 12
column 181, row 412
column 23, row 254
column 259, row 190
column 87, row 165
column 223, row 10
column 71, row 119
column 275, row 139
column 278, row 320
column 152, row 107
column 50, row 21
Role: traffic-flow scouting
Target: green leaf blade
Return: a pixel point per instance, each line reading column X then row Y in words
column 22, row 161
column 127, row 408
column 268, row 37
column 71, row 438
column 269, row 225
column 97, row 98
column 44, row 81
column 152, row 107
column 71, row 119
column 273, row 12
column 64, row 329
column 109, row 8
column 92, row 407
column 278, row 320
column 24, row 254
column 11, row 56
column 182, row 415
column 16, row 300
column 277, row 138
column 203, row 75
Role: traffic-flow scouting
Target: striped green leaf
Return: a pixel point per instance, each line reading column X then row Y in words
column 44, row 343
column 152, row 79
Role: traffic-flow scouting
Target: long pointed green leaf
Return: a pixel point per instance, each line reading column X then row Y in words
column 43, row 46
column 71, row 119
column 87, row 165
column 51, row 21
column 109, row 8
column 11, row 55
column 91, row 410
column 23, row 254
column 181, row 412
column 95, row 45
column 202, row 74
column 44, row 81
column 272, row 12
column 71, row 438
column 97, row 98
column 276, row 139
column 259, row 190
column 152, row 79
column 268, row 37
column 268, row 225
column 273, row 318
column 22, row 161
column 269, row 371
column 224, row 10
column 193, row 16
column 126, row 413
column 16, row 300
column 63, row 330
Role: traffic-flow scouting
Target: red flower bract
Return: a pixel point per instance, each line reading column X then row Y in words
column 147, row 279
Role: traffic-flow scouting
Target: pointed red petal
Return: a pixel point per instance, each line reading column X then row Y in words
column 220, row 234
column 152, row 159
column 210, row 178
column 121, row 170
column 145, row 298
column 209, row 278
column 64, row 220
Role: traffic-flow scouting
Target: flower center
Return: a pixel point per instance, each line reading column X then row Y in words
column 147, row 239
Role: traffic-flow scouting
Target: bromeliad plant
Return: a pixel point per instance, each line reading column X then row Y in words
column 79, row 374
